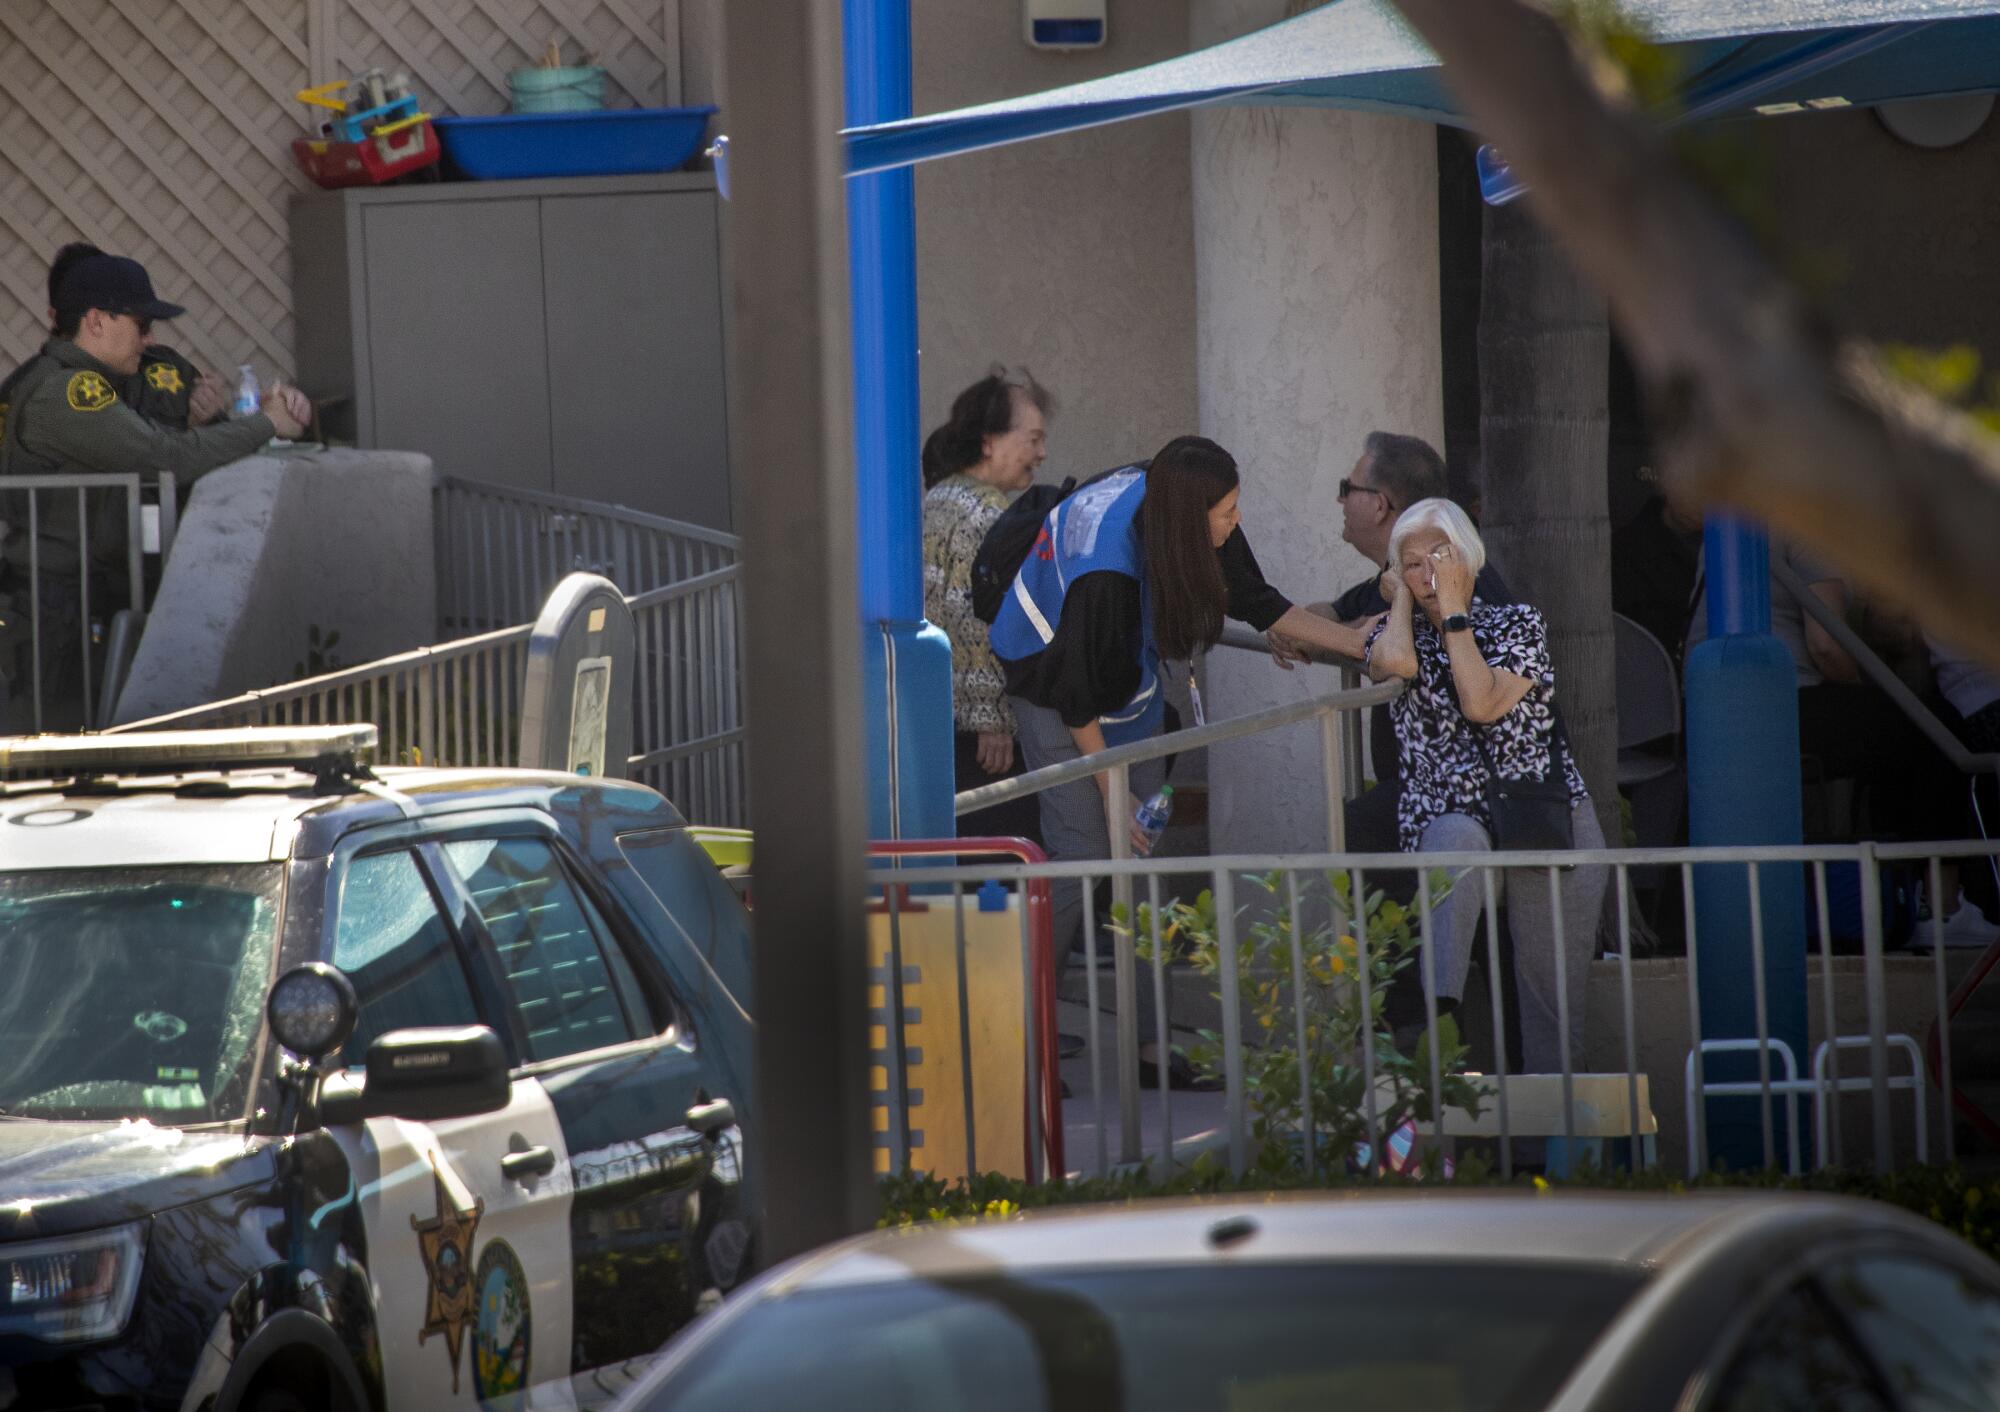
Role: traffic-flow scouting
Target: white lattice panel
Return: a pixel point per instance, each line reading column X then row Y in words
column 160, row 129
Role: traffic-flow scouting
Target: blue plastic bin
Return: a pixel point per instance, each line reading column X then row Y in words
column 602, row 143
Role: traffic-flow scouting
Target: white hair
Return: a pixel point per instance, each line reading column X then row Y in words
column 1444, row 516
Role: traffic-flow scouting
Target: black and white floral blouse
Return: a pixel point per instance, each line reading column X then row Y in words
column 1443, row 769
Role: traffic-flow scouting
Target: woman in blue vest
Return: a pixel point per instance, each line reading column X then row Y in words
column 1135, row 569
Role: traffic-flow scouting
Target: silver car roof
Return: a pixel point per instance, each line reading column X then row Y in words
column 1636, row 1232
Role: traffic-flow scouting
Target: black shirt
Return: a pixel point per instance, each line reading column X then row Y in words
column 1654, row 569
column 1091, row 668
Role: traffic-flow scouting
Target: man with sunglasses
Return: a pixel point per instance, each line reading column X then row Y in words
column 61, row 414
column 1392, row 473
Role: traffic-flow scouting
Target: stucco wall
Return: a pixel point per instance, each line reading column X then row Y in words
column 1897, row 240
column 1073, row 255
column 1317, row 322
column 270, row 548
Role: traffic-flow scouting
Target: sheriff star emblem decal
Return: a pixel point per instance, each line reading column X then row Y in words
column 446, row 1243
column 89, row 392
column 164, row 377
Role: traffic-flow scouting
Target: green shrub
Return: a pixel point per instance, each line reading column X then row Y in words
column 1338, row 1005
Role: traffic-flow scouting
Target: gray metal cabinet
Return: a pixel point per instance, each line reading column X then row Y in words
column 562, row 336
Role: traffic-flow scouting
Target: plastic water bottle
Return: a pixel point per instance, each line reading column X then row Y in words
column 249, row 397
column 1154, row 813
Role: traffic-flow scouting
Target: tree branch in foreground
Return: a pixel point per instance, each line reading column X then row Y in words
column 1755, row 405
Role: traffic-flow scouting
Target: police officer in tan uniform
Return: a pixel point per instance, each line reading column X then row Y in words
column 62, row 414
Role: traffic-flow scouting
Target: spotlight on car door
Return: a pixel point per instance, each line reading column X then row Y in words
column 312, row 1010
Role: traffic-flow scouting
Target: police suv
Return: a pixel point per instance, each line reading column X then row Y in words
column 326, row 1087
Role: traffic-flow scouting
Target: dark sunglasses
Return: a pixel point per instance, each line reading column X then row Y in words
column 1348, row 487
column 145, row 324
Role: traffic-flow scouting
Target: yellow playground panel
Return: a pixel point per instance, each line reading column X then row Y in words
column 979, row 1069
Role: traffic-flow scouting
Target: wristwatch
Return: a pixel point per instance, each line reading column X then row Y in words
column 1458, row 622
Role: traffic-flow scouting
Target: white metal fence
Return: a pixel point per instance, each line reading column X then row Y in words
column 688, row 739
column 459, row 703
column 1753, row 1068
column 1896, row 1069
column 66, row 635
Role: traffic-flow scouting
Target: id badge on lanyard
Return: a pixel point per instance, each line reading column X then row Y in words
column 1194, row 696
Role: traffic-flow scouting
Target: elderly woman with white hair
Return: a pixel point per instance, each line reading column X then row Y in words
column 1480, row 735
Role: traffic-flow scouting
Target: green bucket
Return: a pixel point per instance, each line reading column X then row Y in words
column 567, row 90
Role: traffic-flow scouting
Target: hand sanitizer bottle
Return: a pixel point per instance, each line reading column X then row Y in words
column 248, row 395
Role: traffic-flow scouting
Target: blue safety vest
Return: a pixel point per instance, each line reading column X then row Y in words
column 1094, row 530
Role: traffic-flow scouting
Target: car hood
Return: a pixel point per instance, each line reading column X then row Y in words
column 56, row 1178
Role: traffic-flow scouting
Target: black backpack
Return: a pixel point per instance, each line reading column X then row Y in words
column 1007, row 543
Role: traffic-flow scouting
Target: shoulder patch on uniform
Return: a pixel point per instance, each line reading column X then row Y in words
column 89, row 392
column 164, row 377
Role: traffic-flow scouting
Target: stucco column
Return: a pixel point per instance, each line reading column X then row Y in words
column 1316, row 296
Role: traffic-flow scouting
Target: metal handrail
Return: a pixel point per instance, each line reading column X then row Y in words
column 1898, row 691
column 689, row 740
column 1123, row 757
column 500, row 549
column 458, row 701
column 1969, row 763
column 686, row 588
column 400, row 661
column 569, row 504
column 1250, row 640
column 1532, row 860
column 331, row 681
column 1245, row 639
column 96, row 694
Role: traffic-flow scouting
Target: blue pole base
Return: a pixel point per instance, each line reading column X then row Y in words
column 1743, row 788
column 906, row 679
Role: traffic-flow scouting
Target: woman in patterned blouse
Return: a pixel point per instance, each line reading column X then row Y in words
column 974, row 465
column 1481, row 689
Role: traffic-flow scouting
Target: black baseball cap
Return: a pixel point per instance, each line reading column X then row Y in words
column 111, row 283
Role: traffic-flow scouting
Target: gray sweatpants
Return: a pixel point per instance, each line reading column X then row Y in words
column 1073, row 828
column 1524, row 892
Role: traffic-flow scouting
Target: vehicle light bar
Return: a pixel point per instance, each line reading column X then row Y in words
column 313, row 749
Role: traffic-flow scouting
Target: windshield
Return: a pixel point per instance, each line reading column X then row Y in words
column 134, row 992
column 1241, row 1338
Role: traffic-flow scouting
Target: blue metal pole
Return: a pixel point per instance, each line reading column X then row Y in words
column 1738, row 559
column 906, row 662
column 1743, row 788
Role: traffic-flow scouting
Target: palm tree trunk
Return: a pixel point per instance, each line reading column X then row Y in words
column 1544, row 427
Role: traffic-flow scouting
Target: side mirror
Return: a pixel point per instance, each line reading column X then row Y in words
column 421, row 1074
